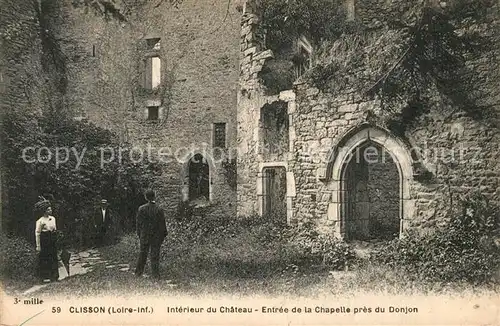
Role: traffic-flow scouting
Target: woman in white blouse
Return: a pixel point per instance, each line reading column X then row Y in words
column 45, row 235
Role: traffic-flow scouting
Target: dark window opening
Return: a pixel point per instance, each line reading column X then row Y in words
column 274, row 191
column 199, row 179
column 219, row 135
column 304, row 61
column 153, row 113
column 153, row 43
column 303, row 58
column 274, row 130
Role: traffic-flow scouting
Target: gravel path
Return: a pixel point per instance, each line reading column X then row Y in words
column 81, row 263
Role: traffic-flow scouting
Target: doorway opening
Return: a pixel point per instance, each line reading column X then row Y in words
column 199, row 179
column 372, row 194
column 274, row 193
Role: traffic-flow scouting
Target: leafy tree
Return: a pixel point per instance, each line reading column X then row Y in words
column 437, row 50
column 74, row 185
column 436, row 39
column 283, row 20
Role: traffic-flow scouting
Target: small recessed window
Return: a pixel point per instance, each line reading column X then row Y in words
column 219, row 140
column 153, row 72
column 153, row 113
column 153, row 43
column 93, row 51
column 304, row 56
column 350, row 10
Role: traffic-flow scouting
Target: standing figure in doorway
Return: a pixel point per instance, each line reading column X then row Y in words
column 102, row 222
column 151, row 230
column 46, row 242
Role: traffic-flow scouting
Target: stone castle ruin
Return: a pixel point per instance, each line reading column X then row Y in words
column 318, row 135
column 342, row 162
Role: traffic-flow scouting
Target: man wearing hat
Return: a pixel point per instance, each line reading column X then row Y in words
column 102, row 222
column 151, row 230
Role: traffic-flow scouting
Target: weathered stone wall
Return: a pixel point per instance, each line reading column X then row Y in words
column 20, row 60
column 274, row 131
column 22, row 82
column 250, row 100
column 322, row 119
column 199, row 62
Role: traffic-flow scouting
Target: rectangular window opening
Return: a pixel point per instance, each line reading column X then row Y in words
column 153, row 72
column 219, row 137
column 304, row 53
column 350, row 10
column 153, row 113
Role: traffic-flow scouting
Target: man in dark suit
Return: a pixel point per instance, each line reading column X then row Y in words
column 151, row 230
column 102, row 222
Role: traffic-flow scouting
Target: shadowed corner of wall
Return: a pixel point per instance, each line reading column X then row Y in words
column 421, row 173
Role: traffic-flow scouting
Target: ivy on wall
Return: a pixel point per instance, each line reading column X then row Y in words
column 53, row 60
column 121, row 9
column 436, row 42
column 283, row 22
column 434, row 60
column 230, row 172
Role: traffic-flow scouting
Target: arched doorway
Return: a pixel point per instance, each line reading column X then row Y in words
column 199, row 179
column 372, row 201
column 368, row 201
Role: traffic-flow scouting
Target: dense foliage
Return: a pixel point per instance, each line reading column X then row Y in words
column 282, row 23
column 436, row 40
column 307, row 247
column 283, row 20
column 436, row 51
column 18, row 260
column 467, row 248
column 267, row 240
column 86, row 171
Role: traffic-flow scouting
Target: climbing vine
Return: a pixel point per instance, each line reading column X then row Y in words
column 433, row 40
column 230, row 172
column 282, row 23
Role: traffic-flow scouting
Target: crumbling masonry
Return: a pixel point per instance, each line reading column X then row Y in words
column 329, row 130
column 191, row 76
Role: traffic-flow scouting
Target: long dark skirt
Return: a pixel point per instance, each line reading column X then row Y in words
column 48, row 267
